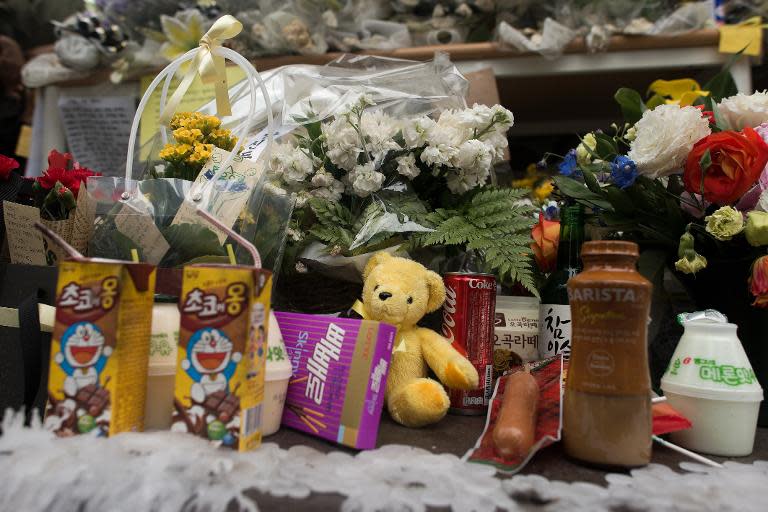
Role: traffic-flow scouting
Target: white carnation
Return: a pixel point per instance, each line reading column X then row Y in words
column 279, row 155
column 463, row 180
column 296, row 166
column 497, row 142
column 331, row 192
column 342, row 143
column 406, row 166
column 441, row 154
column 474, row 154
column 415, row 131
column 365, row 179
column 379, row 130
column 745, row 110
column 322, row 178
column 664, row 137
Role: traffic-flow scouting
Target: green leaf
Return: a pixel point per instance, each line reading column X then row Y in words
column 591, row 182
column 655, row 101
column 189, row 241
column 631, row 103
column 705, row 162
column 722, row 84
column 576, row 190
column 606, row 147
column 720, row 121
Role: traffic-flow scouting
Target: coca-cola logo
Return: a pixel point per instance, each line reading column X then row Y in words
column 449, row 309
column 482, row 285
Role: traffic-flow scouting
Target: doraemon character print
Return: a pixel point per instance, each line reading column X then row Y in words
column 210, row 362
column 82, row 357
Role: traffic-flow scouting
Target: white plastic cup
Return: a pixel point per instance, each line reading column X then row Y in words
column 158, row 409
column 711, row 382
column 276, row 379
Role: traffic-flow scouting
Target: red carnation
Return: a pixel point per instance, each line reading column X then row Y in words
column 7, row 165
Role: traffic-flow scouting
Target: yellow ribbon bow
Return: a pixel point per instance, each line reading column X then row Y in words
column 359, row 308
column 210, row 67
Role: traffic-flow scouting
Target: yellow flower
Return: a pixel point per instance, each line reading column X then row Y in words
column 201, row 154
column 188, row 136
column 725, row 223
column 175, row 153
column 681, row 92
column 182, row 32
column 222, row 138
column 757, row 228
column 543, row 190
column 693, row 265
column 583, row 155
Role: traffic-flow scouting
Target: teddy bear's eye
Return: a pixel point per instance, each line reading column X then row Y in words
column 410, row 300
column 375, row 287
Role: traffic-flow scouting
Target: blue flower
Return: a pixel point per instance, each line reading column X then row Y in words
column 623, row 171
column 569, row 167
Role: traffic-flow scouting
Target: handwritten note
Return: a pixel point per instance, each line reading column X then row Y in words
column 224, row 197
column 196, row 96
column 141, row 229
column 97, row 130
column 25, row 243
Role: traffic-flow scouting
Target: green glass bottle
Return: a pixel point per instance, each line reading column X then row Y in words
column 555, row 313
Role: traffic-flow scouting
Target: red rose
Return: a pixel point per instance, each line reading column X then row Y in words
column 737, row 159
column 7, row 165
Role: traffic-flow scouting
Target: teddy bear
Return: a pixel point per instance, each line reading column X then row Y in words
column 400, row 292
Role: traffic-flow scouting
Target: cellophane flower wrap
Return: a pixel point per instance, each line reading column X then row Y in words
column 685, row 174
column 397, row 161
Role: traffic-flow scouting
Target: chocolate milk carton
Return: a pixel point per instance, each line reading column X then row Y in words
column 100, row 347
column 221, row 358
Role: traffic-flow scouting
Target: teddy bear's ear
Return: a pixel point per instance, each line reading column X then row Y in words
column 436, row 291
column 375, row 260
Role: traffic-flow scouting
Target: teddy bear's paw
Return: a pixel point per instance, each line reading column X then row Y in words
column 460, row 374
column 419, row 403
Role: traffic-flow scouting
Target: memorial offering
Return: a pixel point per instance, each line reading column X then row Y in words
column 710, row 380
column 100, row 346
column 607, row 405
column 222, row 350
column 340, row 368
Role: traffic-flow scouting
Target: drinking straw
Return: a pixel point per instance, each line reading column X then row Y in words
column 71, row 251
column 688, row 453
column 239, row 239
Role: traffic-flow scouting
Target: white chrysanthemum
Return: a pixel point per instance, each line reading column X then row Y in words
column 406, row 166
column 745, row 110
column 415, row 131
column 342, row 143
column 474, row 155
column 279, row 155
column 664, row 137
column 365, row 179
column 479, row 116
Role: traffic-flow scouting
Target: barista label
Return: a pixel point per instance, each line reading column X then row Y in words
column 609, row 328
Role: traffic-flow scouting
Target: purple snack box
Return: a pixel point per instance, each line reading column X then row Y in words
column 340, row 368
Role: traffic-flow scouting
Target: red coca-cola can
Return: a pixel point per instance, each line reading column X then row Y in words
column 468, row 315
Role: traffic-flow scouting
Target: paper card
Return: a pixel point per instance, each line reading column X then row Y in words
column 98, row 129
column 734, row 38
column 196, row 96
column 53, row 251
column 254, row 146
column 227, row 197
column 141, row 229
column 25, row 244
column 82, row 227
column 24, row 141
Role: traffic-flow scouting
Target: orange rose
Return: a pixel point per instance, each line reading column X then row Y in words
column 546, row 235
column 737, row 159
column 758, row 282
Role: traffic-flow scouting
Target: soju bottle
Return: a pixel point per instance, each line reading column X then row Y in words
column 555, row 313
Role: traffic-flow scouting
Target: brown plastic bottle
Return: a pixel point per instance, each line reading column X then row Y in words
column 607, row 409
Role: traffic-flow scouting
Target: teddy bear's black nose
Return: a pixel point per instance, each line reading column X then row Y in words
column 384, row 295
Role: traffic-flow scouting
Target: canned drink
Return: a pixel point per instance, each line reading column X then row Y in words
column 468, row 318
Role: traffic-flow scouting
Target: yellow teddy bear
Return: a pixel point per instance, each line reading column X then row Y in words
column 400, row 292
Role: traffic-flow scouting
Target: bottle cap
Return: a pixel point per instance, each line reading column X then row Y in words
column 610, row 247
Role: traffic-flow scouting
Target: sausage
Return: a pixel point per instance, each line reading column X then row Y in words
column 515, row 429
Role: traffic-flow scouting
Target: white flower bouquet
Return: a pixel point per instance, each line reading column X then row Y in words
column 367, row 180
